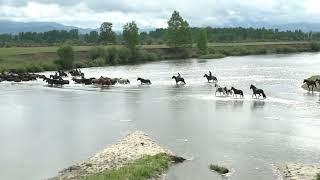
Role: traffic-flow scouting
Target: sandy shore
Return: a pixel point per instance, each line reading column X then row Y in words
column 293, row 171
column 132, row 147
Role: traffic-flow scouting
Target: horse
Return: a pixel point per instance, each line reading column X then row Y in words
column 220, row 90
column 104, row 82
column 237, row 92
column 54, row 76
column 144, row 81
column 210, row 78
column 311, row 83
column 123, row 81
column 228, row 91
column 61, row 73
column 178, row 79
column 257, row 91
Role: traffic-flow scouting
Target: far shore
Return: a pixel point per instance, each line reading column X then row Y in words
column 39, row 59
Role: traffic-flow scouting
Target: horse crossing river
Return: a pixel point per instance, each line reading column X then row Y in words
column 43, row 129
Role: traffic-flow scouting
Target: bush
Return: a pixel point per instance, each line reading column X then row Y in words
column 286, row 49
column 124, row 55
column 66, row 57
column 34, row 68
column 318, row 176
column 49, row 67
column 219, row 169
column 315, row 46
column 112, row 56
column 212, row 56
column 80, row 64
column 143, row 55
column 96, row 52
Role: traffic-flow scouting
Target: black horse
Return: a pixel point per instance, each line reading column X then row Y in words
column 55, row 76
column 311, row 83
column 178, row 79
column 210, row 78
column 61, row 73
column 257, row 91
column 237, row 92
column 144, row 81
column 228, row 91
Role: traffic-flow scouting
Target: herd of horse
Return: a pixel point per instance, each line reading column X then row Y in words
column 79, row 78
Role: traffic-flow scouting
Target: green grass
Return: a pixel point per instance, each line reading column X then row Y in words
column 219, row 169
column 142, row 169
column 318, row 176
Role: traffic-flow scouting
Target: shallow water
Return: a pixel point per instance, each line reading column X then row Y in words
column 44, row 129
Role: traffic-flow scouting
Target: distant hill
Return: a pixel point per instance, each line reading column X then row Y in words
column 13, row 27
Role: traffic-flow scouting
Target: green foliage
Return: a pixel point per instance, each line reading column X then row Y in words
column 315, row 46
column 66, row 57
column 286, row 49
column 145, row 168
column 143, row 55
column 178, row 32
column 106, row 33
column 202, row 41
column 219, row 169
column 96, row 52
column 131, row 35
column 112, row 56
column 318, row 176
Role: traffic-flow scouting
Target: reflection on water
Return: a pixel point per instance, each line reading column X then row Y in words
column 73, row 122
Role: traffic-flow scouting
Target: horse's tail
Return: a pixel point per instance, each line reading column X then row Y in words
column 264, row 95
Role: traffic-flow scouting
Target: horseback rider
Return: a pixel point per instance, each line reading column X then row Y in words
column 179, row 75
column 210, row 74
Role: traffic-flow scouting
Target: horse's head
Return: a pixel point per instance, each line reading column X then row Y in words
column 174, row 77
column 252, row 87
column 205, row 75
column 138, row 79
column 232, row 88
column 128, row 81
column 305, row 81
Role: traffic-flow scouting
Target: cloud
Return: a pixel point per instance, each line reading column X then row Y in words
column 150, row 14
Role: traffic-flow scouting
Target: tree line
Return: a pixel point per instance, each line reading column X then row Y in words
column 178, row 33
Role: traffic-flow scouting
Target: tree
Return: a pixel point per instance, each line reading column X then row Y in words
column 106, row 33
column 66, row 57
column 131, row 35
column 202, row 41
column 179, row 32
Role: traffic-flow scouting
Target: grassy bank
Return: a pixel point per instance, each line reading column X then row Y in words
column 142, row 169
column 37, row 59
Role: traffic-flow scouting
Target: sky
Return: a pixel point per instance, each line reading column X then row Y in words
column 155, row 14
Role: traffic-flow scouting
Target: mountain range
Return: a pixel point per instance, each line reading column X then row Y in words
column 13, row 27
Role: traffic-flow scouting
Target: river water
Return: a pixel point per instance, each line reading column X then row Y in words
column 44, row 129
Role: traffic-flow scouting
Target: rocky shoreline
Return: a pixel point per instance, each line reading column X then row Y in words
column 294, row 171
column 133, row 147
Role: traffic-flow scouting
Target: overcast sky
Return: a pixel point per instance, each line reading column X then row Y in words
column 151, row 14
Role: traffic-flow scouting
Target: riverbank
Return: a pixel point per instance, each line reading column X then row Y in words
column 37, row 59
column 137, row 154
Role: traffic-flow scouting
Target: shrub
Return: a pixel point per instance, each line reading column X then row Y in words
column 98, row 62
column 96, row 52
column 34, row 68
column 80, row 64
column 286, row 49
column 318, row 176
column 124, row 55
column 212, row 56
column 66, row 57
column 219, row 169
column 49, row 67
column 112, row 55
column 315, row 46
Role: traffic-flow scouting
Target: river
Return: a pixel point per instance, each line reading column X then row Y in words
column 44, row 129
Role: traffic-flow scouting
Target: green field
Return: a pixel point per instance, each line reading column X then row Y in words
column 22, row 59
